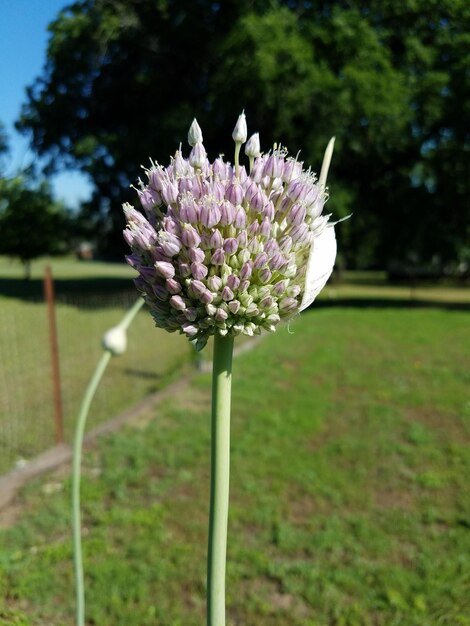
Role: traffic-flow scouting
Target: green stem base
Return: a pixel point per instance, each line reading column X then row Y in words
column 220, row 475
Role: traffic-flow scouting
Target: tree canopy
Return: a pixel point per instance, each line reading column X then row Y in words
column 124, row 78
column 32, row 224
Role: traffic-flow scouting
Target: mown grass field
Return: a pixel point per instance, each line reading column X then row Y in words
column 91, row 297
column 350, row 498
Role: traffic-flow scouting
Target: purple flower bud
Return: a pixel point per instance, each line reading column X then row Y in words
column 170, row 244
column 297, row 214
column 240, row 218
column 253, row 229
column 198, row 156
column 190, row 313
column 220, row 169
column 243, row 287
column 190, row 330
column 234, row 193
column 196, row 255
column 242, row 239
column 292, row 170
column 233, row 281
column 128, row 235
column 209, row 214
column 134, row 260
column 206, row 297
column 227, row 294
column 198, row 270
column 173, row 286
column 246, row 270
column 266, row 302
column 230, row 245
column 285, row 244
column 260, row 260
column 141, row 285
column 157, row 176
column 294, row 291
column 254, row 245
column 227, row 213
column 184, row 185
column 218, row 258
column 170, row 191
column 214, row 283
column 265, row 228
column 189, row 211
column 177, row 303
column 216, row 190
column 170, row 225
column 258, row 167
column 300, row 234
column 234, row 305
column 185, row 269
column 288, row 305
column 271, row 247
column 149, row 198
column 276, row 262
column 160, row 292
column 265, row 275
column 189, row 236
column 216, row 240
column 165, row 270
column 274, row 166
column 221, row 315
column 197, row 288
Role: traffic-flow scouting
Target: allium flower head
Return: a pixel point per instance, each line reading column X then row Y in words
column 225, row 251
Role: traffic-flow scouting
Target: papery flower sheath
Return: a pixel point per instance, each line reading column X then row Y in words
column 220, row 250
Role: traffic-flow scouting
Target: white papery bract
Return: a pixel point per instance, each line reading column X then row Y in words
column 220, row 250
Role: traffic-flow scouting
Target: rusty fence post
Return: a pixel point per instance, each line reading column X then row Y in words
column 54, row 349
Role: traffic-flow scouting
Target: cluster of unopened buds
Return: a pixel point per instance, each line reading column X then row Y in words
column 225, row 250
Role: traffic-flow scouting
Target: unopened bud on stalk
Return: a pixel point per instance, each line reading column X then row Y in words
column 253, row 148
column 194, row 134
column 240, row 131
column 115, row 340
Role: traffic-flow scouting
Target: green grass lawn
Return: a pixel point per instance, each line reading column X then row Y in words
column 350, row 503
column 91, row 297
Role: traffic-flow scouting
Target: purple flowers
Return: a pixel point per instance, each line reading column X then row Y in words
column 222, row 250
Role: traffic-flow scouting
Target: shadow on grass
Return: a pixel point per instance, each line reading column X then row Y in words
column 106, row 291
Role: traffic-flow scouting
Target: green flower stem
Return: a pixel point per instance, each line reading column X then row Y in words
column 220, row 473
column 77, row 459
column 237, row 158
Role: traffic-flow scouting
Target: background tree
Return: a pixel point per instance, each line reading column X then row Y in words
column 32, row 224
column 124, row 78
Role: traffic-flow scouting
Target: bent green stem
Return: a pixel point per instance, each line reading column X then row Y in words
column 77, row 459
column 220, row 474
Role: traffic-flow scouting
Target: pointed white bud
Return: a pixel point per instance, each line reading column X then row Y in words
column 325, row 166
column 240, row 131
column 252, row 148
column 194, row 134
column 115, row 340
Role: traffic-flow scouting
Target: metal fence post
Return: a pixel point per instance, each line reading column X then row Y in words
column 54, row 350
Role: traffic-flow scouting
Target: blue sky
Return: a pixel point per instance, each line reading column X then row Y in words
column 23, row 42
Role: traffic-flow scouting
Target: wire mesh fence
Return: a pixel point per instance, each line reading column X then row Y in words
column 26, row 392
